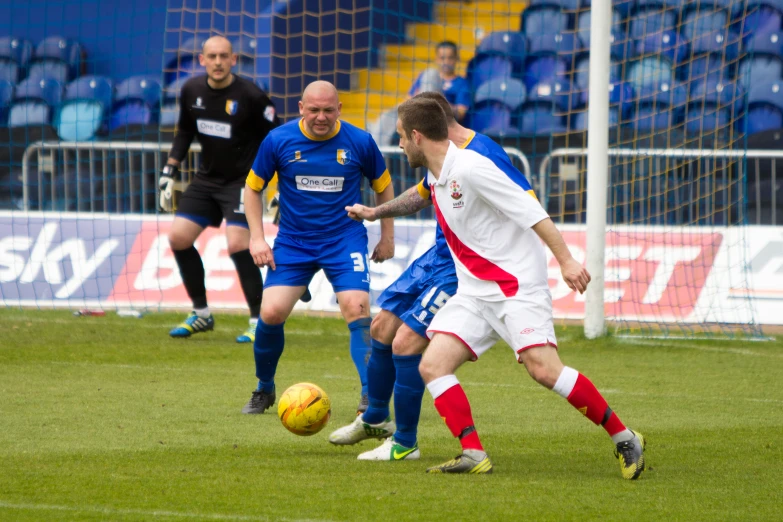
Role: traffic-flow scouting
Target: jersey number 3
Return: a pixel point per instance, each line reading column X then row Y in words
column 360, row 262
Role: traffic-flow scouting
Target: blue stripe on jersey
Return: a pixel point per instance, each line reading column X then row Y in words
column 488, row 148
column 318, row 178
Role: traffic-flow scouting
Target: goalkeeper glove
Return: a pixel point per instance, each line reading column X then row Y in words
column 166, row 186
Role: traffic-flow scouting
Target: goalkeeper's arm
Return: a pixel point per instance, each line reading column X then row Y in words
column 169, row 175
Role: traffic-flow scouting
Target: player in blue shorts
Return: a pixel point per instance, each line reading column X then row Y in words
column 407, row 308
column 320, row 163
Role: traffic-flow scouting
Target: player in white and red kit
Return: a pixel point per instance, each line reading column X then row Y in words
column 492, row 226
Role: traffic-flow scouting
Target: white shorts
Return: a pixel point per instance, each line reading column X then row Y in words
column 522, row 321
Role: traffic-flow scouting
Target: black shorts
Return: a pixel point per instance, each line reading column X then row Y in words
column 209, row 205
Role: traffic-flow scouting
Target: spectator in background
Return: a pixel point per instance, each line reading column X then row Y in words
column 455, row 88
column 442, row 79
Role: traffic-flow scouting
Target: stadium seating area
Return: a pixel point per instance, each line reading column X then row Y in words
column 699, row 66
column 44, row 85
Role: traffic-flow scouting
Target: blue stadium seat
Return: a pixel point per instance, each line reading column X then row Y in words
column 143, row 89
column 133, row 112
column 98, row 88
column 510, row 92
column 765, row 43
column 544, row 19
column 58, row 58
column 654, row 16
column 6, row 94
column 704, row 17
column 650, row 72
column 706, row 67
column 719, row 41
column 621, row 100
column 87, row 106
column 712, row 105
column 657, row 107
column 483, row 68
column 509, row 44
column 759, row 69
column 713, row 55
column 17, row 50
column 495, row 102
column 14, row 56
column 759, row 16
column 136, row 102
column 49, row 69
column 29, row 113
column 563, row 45
column 79, row 120
column 545, row 109
column 545, row 69
column 664, row 43
column 563, row 5
column 765, row 107
column 47, row 90
column 550, row 58
column 9, row 71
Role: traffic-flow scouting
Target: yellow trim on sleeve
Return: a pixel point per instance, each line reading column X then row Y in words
column 380, row 184
column 423, row 191
column 532, row 193
column 255, row 182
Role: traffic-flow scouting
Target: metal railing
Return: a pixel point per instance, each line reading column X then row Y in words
column 109, row 176
column 119, row 176
column 669, row 186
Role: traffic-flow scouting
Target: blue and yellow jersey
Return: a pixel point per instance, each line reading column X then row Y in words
column 488, row 148
column 318, row 177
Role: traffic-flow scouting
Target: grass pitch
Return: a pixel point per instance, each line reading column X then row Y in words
column 107, row 418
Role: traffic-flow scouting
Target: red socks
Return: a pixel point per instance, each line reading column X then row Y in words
column 588, row 400
column 454, row 409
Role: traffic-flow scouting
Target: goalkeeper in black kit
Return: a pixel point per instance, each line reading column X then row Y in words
column 230, row 116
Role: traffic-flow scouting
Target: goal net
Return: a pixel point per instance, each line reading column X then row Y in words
column 89, row 102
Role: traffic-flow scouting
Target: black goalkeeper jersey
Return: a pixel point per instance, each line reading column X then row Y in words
column 230, row 124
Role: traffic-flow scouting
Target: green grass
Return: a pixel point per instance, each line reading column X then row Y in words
column 103, row 418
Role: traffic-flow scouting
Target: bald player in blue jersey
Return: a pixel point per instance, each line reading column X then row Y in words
column 321, row 163
column 407, row 308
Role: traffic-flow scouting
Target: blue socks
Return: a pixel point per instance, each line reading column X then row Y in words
column 380, row 376
column 267, row 351
column 408, row 392
column 360, row 347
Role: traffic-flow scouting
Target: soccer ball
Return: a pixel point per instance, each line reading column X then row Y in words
column 304, row 409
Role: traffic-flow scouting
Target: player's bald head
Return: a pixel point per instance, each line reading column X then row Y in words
column 320, row 108
column 216, row 44
column 320, row 90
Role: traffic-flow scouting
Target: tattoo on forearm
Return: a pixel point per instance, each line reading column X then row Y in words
column 407, row 203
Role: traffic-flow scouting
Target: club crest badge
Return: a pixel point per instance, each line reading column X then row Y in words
column 231, row 107
column 343, row 156
column 455, row 189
